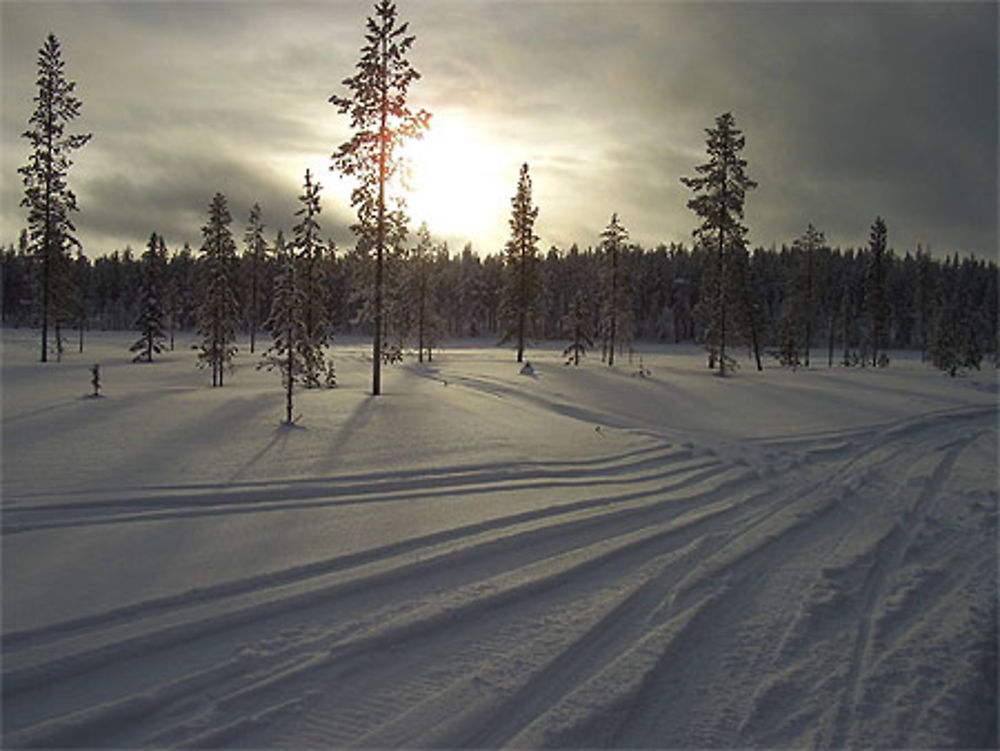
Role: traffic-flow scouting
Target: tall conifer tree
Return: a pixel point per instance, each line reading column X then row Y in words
column 878, row 305
column 576, row 325
column 256, row 252
column 218, row 312
column 805, row 286
column 720, row 191
column 382, row 121
column 310, row 250
column 152, row 293
column 616, row 305
column 285, row 324
column 46, row 193
column 420, row 293
column 521, row 290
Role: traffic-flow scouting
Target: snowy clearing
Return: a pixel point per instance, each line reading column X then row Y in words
column 480, row 558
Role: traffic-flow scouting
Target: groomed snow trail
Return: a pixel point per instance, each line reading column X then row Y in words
column 666, row 589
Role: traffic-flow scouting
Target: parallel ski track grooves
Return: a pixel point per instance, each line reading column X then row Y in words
column 647, row 693
column 670, row 504
column 323, row 656
column 688, row 477
column 581, row 547
column 190, row 507
column 423, row 475
column 518, row 545
column 888, row 554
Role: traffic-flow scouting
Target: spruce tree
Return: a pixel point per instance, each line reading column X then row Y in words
column 925, row 294
column 421, row 293
column 521, row 290
column 150, row 322
column 218, row 311
column 382, row 121
column 720, row 192
column 256, row 252
column 878, row 306
column 748, row 325
column 287, row 351
column 46, row 193
column 955, row 342
column 576, row 325
column 808, row 245
column 616, row 304
column 310, row 251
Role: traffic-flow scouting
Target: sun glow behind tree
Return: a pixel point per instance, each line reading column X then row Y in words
column 458, row 181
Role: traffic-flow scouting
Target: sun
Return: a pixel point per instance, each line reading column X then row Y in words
column 458, row 181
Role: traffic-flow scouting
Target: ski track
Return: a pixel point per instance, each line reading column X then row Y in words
column 660, row 605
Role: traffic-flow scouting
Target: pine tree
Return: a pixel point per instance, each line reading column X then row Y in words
column 925, row 299
column 81, row 293
column 798, row 304
column 381, row 121
column 808, row 246
column 878, row 306
column 576, row 325
column 616, row 305
column 720, row 191
column 150, row 322
column 310, row 252
column 47, row 196
column 218, row 311
column 421, row 293
column 287, row 351
column 522, row 287
column 955, row 344
column 256, row 252
column 747, row 324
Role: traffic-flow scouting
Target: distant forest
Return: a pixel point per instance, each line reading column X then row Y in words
column 810, row 302
column 797, row 303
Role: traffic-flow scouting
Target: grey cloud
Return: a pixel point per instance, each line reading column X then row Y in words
column 850, row 110
column 172, row 198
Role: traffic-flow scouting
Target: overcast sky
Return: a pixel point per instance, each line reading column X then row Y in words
column 850, row 110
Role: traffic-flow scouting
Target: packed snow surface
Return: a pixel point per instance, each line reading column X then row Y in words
column 480, row 558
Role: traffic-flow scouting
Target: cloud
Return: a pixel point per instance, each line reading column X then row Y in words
column 849, row 110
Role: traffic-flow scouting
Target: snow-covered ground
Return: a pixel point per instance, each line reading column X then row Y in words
column 582, row 557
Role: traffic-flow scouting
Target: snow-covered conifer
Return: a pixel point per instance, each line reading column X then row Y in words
column 256, row 253
column 576, row 325
column 805, row 284
column 955, row 342
column 421, row 293
column 519, row 306
column 382, row 122
column 720, row 192
column 311, row 280
column 616, row 292
column 46, row 194
column 218, row 311
column 286, row 353
column 152, row 294
column 878, row 305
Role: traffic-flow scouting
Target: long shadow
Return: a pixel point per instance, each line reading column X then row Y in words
column 281, row 433
column 356, row 422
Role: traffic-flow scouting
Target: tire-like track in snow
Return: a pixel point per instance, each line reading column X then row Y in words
column 833, row 596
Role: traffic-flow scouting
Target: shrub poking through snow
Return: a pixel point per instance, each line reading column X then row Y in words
column 95, row 379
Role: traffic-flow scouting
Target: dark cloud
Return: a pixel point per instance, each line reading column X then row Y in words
column 849, row 109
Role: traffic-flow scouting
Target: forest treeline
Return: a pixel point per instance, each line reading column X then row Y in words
column 797, row 303
column 808, row 301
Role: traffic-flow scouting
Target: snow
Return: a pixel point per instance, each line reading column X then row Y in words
column 584, row 557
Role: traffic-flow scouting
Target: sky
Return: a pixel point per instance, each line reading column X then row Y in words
column 850, row 110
